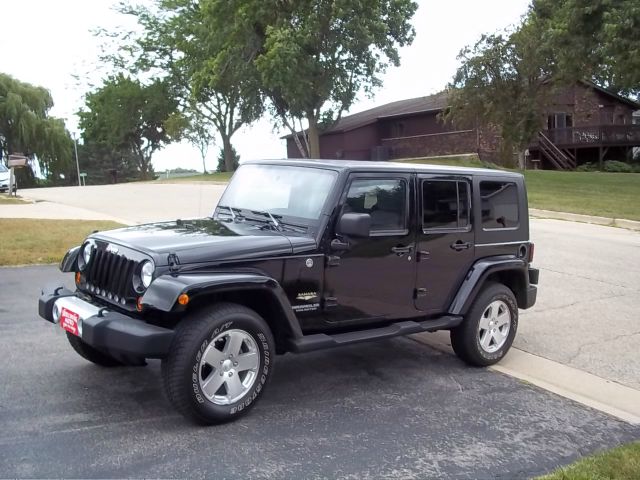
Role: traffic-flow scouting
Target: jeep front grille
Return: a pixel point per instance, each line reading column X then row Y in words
column 110, row 275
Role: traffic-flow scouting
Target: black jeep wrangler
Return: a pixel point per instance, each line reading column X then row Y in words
column 299, row 256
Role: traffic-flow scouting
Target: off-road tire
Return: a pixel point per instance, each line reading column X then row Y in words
column 181, row 368
column 465, row 338
column 89, row 353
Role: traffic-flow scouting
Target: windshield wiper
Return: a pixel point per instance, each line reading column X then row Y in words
column 231, row 211
column 271, row 217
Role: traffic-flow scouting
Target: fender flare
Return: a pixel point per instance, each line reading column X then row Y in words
column 69, row 262
column 476, row 278
column 164, row 291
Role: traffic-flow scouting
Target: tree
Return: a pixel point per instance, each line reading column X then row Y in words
column 222, row 163
column 181, row 44
column 311, row 57
column 26, row 127
column 194, row 128
column 504, row 81
column 127, row 116
column 103, row 164
column 593, row 39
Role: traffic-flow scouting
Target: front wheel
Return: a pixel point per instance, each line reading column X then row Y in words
column 488, row 329
column 219, row 363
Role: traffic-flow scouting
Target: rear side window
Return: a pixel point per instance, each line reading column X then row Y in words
column 499, row 205
column 445, row 204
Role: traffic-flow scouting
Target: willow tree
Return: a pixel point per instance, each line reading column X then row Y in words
column 27, row 128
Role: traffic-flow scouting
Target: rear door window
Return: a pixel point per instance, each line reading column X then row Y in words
column 445, row 205
column 499, row 205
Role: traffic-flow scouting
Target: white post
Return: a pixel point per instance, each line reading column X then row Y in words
column 75, row 146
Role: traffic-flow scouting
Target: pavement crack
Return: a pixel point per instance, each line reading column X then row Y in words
column 575, row 275
column 578, row 302
column 591, row 344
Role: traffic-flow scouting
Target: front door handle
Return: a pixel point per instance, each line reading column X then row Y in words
column 400, row 250
column 460, row 245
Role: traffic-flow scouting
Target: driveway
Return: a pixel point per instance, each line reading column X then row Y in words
column 389, row 409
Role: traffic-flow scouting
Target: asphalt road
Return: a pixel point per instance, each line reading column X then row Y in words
column 390, row 409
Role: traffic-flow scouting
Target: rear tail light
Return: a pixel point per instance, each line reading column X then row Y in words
column 531, row 250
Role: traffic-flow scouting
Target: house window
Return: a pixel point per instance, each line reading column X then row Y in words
column 622, row 119
column 559, row 120
column 499, row 205
column 397, row 129
column 445, row 204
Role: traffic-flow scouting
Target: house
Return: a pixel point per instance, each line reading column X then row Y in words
column 584, row 123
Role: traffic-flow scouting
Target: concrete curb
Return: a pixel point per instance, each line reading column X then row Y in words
column 576, row 217
column 598, row 393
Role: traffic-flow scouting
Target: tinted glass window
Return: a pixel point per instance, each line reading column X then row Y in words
column 384, row 199
column 499, row 205
column 445, row 204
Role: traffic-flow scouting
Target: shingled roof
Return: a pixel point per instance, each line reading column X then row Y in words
column 429, row 103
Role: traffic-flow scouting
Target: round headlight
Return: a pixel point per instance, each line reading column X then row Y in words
column 86, row 253
column 146, row 273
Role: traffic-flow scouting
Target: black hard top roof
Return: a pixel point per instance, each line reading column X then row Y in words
column 368, row 166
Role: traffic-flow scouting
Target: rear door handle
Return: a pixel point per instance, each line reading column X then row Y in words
column 460, row 245
column 400, row 250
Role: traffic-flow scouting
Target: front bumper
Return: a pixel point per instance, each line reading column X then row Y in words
column 108, row 331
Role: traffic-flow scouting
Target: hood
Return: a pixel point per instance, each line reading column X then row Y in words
column 205, row 240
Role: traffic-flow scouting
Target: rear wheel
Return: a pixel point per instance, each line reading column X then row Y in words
column 219, row 363
column 488, row 330
column 89, row 353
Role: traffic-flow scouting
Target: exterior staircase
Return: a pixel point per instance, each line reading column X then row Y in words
column 561, row 159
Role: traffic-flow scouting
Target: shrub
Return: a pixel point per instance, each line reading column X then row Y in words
column 615, row 166
column 587, row 167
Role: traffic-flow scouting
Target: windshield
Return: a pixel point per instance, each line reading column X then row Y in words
column 3, row 168
column 279, row 190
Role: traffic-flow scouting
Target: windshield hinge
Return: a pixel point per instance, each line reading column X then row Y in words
column 174, row 263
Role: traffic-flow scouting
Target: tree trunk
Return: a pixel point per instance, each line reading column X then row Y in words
column 228, row 153
column 204, row 165
column 314, row 137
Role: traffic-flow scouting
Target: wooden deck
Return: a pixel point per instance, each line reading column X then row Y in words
column 595, row 136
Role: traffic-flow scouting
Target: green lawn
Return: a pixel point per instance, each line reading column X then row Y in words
column 209, row 177
column 614, row 195
column 470, row 160
column 43, row 241
column 622, row 463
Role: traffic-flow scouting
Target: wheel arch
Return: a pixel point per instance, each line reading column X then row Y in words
column 509, row 270
column 262, row 294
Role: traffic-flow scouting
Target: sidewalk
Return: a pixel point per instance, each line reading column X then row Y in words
column 576, row 217
column 55, row 211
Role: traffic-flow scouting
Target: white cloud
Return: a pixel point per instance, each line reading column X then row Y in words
column 48, row 43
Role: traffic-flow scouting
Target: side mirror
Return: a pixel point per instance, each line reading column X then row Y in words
column 354, row 224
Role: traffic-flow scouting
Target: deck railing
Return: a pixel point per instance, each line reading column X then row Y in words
column 595, row 135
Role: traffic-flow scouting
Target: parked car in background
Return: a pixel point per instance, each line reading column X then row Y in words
column 4, row 178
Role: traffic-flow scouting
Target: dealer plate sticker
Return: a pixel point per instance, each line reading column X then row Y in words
column 69, row 321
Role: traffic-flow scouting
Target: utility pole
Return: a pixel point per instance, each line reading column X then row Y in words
column 75, row 146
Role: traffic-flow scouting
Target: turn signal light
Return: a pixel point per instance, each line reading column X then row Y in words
column 531, row 250
column 183, row 299
column 78, row 277
column 139, row 304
